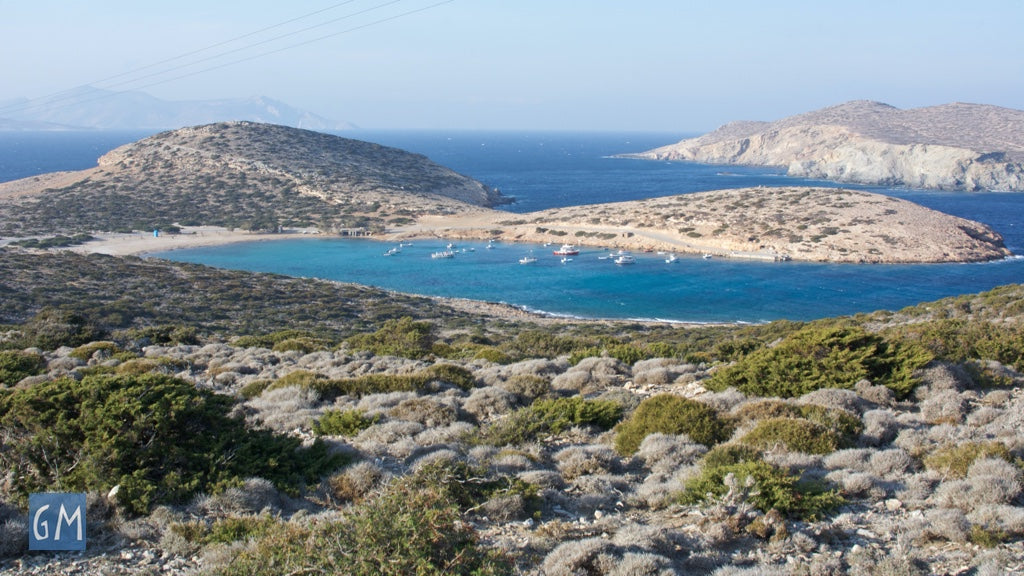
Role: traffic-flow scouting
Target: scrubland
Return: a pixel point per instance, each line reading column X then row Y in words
column 428, row 440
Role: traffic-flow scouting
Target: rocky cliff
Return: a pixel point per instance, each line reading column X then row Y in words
column 956, row 146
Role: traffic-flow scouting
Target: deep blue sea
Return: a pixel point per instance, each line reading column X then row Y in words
column 545, row 170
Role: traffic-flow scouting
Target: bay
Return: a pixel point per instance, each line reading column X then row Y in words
column 547, row 170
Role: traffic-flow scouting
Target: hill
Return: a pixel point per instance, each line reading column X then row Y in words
column 89, row 108
column 952, row 147
column 240, row 174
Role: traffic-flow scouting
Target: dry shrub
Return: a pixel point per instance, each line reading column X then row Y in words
column 849, row 459
column 880, row 427
column 527, row 387
column 945, row 524
column 255, row 495
column 941, row 377
column 723, row 401
column 576, row 461
column 591, row 375
column 381, row 403
column 445, row 434
column 876, row 394
column 983, row 416
column 954, row 460
column 989, row 481
column 487, row 403
column 659, row 490
column 543, row 479
column 891, row 464
column 642, row 564
column 356, row 482
column 999, row 517
column 663, row 453
column 945, row 406
column 589, row 556
column 429, row 411
column 286, row 409
column 835, row 398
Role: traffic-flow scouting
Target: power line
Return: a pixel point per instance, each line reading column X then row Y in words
column 71, row 97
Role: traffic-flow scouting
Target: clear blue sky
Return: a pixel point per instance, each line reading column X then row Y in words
column 660, row 65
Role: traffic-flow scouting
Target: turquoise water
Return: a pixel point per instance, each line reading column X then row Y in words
column 592, row 286
column 547, row 170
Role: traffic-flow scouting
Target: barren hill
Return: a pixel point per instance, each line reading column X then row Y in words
column 953, row 146
column 240, row 174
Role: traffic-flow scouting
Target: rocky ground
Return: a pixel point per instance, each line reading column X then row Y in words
column 903, row 516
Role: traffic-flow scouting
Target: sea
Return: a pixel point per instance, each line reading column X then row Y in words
column 542, row 170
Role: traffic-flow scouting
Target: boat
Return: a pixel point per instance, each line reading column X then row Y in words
column 567, row 250
column 443, row 254
column 566, row 259
column 392, row 251
column 527, row 260
column 671, row 259
column 707, row 256
column 625, row 259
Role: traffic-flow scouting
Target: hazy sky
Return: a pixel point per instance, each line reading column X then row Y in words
column 660, row 65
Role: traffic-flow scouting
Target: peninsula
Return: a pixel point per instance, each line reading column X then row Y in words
column 967, row 147
column 241, row 180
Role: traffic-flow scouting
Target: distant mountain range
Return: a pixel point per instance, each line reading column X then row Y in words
column 88, row 108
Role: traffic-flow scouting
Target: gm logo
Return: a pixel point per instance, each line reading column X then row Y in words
column 56, row 521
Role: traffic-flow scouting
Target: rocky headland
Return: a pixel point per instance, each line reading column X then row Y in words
column 957, row 146
column 241, row 180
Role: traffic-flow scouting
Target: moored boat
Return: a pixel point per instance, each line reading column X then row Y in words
column 567, row 250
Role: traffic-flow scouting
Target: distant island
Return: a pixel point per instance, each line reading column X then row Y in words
column 968, row 147
column 90, row 108
column 236, row 179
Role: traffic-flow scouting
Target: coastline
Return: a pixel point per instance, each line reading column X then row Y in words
column 141, row 243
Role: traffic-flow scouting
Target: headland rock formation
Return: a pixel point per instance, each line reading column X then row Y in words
column 266, row 179
column 957, row 146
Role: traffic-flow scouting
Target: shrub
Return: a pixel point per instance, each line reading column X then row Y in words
column 52, row 328
column 343, row 423
column 15, row 365
column 670, row 414
column 796, row 434
column 769, row 489
column 402, row 337
column 955, row 460
column 85, row 351
column 824, row 356
column 550, row 417
column 406, row 530
column 159, row 438
column 837, row 421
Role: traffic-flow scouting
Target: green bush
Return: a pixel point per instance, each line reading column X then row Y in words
column 342, row 423
column 824, row 356
column 670, row 414
column 412, row 528
column 954, row 460
column 959, row 340
column 161, row 439
column 838, row 422
column 16, row 365
column 403, row 337
column 771, row 489
column 167, row 335
column 85, row 351
column 52, row 328
column 552, row 416
column 796, row 434
column 492, row 354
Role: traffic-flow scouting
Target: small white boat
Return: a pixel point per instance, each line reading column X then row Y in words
column 625, row 259
column 706, row 256
column 392, row 251
column 671, row 259
column 566, row 259
column 527, row 260
column 443, row 254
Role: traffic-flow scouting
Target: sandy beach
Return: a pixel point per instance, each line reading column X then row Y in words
column 136, row 243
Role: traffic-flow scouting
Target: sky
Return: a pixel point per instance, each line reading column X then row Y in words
column 604, row 65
